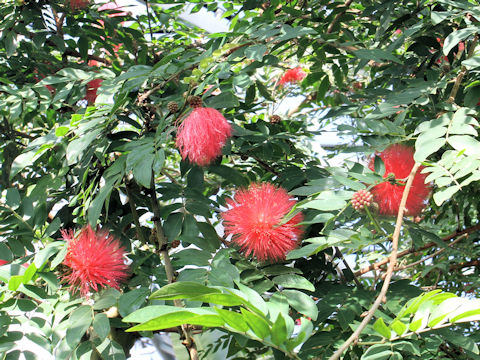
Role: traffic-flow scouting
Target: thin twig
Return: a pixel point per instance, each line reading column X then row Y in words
column 265, row 166
column 377, row 265
column 391, row 266
column 335, row 19
column 189, row 343
column 149, row 22
column 463, row 72
column 438, row 252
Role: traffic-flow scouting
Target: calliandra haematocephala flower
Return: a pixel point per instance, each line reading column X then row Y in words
column 398, row 161
column 256, row 221
column 292, row 76
column 202, row 135
column 95, row 259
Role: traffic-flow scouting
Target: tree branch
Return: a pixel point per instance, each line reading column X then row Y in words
column 391, row 266
column 377, row 265
column 436, row 253
column 337, row 17
column 162, row 240
column 463, row 72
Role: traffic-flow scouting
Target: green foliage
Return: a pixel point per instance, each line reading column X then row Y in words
column 377, row 73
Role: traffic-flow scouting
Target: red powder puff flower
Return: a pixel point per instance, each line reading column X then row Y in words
column 78, row 4
column 202, row 135
column 95, row 259
column 292, row 76
column 256, row 221
column 91, row 93
column 398, row 160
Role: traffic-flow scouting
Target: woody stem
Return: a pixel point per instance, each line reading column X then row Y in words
column 163, row 250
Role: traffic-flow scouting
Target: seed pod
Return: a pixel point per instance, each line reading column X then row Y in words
column 194, row 101
column 172, row 106
column 274, row 119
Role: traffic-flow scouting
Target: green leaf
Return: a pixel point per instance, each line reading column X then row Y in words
column 13, row 198
column 377, row 55
column 377, row 352
column 77, row 147
column 79, row 322
column 233, row 319
column 258, row 325
column 256, row 52
column 399, row 327
column 445, row 194
column 210, row 319
column 182, row 290
column 306, row 250
column 61, row 131
column 220, row 299
column 132, row 300
column 301, row 302
column 465, row 143
column 293, row 281
column 423, row 149
column 173, row 226
column 279, row 330
column 381, row 328
column 226, row 99
column 101, row 325
column 455, row 37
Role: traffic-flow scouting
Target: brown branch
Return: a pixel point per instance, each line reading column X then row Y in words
column 391, row 266
column 75, row 53
column 378, row 264
column 337, row 17
column 58, row 22
column 162, row 240
column 464, row 264
column 265, row 166
column 463, row 72
column 436, row 253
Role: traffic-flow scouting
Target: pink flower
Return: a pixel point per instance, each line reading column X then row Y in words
column 78, row 4
column 398, row 160
column 256, row 221
column 92, row 87
column 202, row 135
column 292, row 76
column 94, row 259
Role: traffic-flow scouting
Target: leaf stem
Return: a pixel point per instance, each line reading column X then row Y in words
column 374, row 221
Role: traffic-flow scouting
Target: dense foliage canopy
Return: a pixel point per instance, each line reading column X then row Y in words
column 239, row 226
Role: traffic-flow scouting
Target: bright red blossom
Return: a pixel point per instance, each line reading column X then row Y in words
column 92, row 87
column 398, row 160
column 292, row 76
column 202, row 135
column 255, row 219
column 95, row 259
